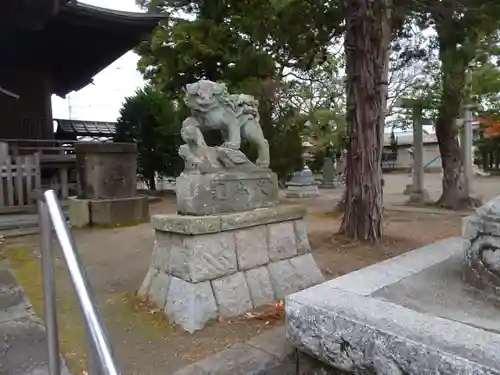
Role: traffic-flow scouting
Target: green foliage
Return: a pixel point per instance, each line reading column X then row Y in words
column 285, row 142
column 248, row 45
column 153, row 120
column 486, row 149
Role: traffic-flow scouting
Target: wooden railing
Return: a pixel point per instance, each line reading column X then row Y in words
column 19, row 177
column 44, row 147
column 57, row 161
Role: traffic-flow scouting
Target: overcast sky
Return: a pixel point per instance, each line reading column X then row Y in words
column 102, row 100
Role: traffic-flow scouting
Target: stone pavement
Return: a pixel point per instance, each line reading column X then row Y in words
column 23, row 349
column 485, row 188
column 13, row 221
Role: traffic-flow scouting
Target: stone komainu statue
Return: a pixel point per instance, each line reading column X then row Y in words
column 236, row 116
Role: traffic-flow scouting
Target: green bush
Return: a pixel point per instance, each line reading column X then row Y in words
column 153, row 120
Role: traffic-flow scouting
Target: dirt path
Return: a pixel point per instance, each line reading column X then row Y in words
column 117, row 260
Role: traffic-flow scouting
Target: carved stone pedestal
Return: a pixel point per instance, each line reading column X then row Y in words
column 206, row 267
column 482, row 248
column 226, row 191
column 302, row 185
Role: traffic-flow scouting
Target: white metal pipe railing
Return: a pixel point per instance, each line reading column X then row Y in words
column 100, row 356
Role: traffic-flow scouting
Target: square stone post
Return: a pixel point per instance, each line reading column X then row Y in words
column 418, row 194
column 467, row 151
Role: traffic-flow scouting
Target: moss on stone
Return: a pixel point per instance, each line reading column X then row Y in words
column 118, row 225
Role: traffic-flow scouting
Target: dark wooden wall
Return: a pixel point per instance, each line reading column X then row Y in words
column 30, row 116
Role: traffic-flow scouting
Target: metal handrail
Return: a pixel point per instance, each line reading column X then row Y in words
column 100, row 358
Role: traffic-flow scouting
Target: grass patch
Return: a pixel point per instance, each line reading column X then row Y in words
column 134, row 312
column 27, row 270
column 123, row 310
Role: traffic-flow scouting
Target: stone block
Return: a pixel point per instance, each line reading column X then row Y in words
column 303, row 246
column 195, row 225
column 273, row 342
column 216, row 193
column 260, row 286
column 292, row 275
column 190, row 370
column 232, row 295
column 191, row 225
column 79, row 212
column 283, row 278
column 413, row 314
column 240, row 359
column 116, row 212
column 165, row 244
column 281, row 241
column 23, row 348
column 158, row 289
column 302, row 191
column 106, row 170
column 190, row 305
column 204, row 257
column 146, row 284
column 251, row 247
column 262, row 216
column 307, row 271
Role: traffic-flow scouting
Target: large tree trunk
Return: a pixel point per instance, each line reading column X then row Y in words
column 453, row 75
column 366, row 45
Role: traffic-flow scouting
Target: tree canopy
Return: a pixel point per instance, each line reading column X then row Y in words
column 290, row 55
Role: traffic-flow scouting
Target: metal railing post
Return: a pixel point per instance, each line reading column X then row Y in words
column 93, row 365
column 49, row 293
column 97, row 335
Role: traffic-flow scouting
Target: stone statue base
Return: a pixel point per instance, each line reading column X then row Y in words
column 302, row 185
column 221, row 266
column 226, row 192
column 299, row 191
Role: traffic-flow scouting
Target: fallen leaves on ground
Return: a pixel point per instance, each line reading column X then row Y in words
column 272, row 311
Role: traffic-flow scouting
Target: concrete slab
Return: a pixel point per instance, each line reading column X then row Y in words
column 262, row 355
column 440, row 291
column 408, row 315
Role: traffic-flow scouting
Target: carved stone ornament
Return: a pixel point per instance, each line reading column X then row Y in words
column 482, row 252
column 221, row 179
column 236, row 116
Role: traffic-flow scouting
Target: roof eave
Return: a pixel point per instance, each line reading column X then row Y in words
column 105, row 14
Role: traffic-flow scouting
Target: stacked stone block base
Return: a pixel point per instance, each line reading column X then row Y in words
column 221, row 266
column 306, row 191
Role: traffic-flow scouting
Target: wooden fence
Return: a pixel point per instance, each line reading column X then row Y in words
column 19, row 177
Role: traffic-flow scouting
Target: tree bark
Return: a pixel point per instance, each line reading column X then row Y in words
column 367, row 45
column 453, row 75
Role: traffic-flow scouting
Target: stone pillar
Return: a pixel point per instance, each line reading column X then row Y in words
column 467, row 151
column 107, row 177
column 418, row 194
